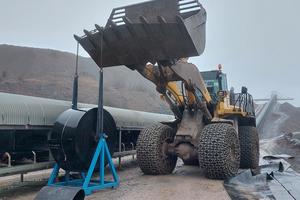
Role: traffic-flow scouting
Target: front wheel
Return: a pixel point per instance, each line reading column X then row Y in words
column 219, row 151
column 152, row 155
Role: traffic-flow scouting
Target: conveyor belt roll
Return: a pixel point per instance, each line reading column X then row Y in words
column 74, row 139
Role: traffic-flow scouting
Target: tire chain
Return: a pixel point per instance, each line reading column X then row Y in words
column 150, row 157
column 214, row 151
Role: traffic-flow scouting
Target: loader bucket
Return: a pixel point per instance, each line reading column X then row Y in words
column 152, row 31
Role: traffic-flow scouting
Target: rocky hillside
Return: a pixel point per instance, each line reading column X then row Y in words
column 49, row 73
column 292, row 123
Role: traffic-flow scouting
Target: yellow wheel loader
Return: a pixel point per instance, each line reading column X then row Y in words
column 214, row 128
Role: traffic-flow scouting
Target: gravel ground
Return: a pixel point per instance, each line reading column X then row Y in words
column 11, row 188
column 187, row 182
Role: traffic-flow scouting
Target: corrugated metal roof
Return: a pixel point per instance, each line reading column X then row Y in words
column 130, row 118
column 20, row 110
column 26, row 110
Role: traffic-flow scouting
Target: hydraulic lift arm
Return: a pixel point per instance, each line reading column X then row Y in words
column 165, row 77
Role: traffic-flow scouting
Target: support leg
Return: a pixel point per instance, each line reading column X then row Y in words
column 102, row 166
column 93, row 164
column 22, row 178
column 120, row 147
column 54, row 174
column 111, row 164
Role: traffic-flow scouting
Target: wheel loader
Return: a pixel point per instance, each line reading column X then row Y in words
column 214, row 128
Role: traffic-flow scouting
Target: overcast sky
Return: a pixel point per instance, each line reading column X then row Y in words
column 257, row 41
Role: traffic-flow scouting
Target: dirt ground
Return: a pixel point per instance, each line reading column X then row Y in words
column 187, row 182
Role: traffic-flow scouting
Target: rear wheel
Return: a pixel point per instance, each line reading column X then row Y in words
column 249, row 143
column 152, row 155
column 219, row 151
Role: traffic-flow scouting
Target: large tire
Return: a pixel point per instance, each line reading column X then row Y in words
column 151, row 150
column 219, row 151
column 249, row 143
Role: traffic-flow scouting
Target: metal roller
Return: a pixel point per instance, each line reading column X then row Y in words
column 73, row 139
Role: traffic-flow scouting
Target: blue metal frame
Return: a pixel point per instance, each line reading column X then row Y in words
column 85, row 182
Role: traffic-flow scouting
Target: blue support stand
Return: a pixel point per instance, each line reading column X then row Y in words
column 86, row 182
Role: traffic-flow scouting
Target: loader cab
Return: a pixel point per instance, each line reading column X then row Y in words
column 213, row 84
